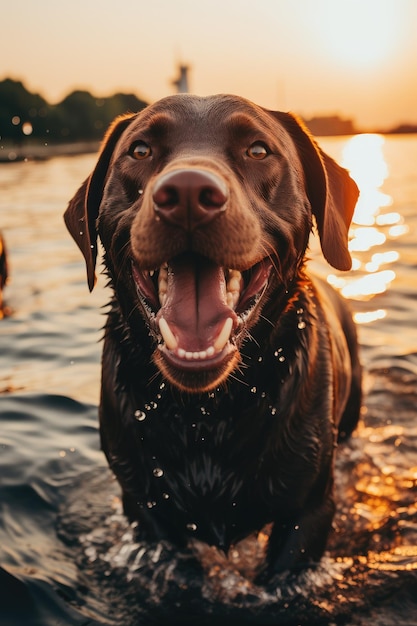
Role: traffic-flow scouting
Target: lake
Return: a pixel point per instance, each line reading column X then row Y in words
column 67, row 555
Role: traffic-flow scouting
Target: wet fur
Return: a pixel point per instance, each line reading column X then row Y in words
column 258, row 447
column 3, row 273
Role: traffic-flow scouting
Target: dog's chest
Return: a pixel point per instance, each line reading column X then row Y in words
column 198, row 470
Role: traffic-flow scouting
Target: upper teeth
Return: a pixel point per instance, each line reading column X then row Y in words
column 234, row 279
column 163, row 284
column 233, row 288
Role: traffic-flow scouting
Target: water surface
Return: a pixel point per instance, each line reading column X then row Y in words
column 67, row 555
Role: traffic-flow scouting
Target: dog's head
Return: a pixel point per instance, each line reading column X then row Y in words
column 202, row 204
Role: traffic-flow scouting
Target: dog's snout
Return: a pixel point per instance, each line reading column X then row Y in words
column 189, row 198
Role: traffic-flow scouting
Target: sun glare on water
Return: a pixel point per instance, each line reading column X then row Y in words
column 374, row 229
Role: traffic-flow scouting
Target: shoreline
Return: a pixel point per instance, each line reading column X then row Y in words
column 10, row 153
column 41, row 152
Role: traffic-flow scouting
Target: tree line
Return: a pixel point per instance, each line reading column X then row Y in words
column 79, row 117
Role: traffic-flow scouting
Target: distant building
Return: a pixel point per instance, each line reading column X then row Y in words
column 181, row 83
column 403, row 128
column 330, row 125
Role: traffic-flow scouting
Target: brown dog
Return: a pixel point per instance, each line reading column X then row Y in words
column 3, row 273
column 229, row 374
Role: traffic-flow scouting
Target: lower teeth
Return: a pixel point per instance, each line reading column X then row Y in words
column 171, row 342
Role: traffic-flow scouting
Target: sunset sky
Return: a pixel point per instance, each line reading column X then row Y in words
column 356, row 58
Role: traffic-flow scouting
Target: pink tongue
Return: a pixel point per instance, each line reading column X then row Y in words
column 195, row 307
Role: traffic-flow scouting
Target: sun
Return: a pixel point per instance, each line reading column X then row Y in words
column 358, row 33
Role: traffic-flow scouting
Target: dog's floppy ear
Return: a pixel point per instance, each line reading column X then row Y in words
column 82, row 212
column 331, row 191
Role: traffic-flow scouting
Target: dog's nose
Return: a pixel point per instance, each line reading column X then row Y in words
column 189, row 198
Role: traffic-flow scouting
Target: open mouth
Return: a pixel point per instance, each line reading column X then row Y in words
column 198, row 310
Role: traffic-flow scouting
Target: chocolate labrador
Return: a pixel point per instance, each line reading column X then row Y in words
column 229, row 374
column 3, row 274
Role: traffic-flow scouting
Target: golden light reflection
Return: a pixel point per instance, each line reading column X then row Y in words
column 365, row 238
column 388, row 218
column 381, row 258
column 373, row 226
column 363, row 156
column 369, row 316
column 364, row 287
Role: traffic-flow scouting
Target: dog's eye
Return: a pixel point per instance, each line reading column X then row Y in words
column 140, row 150
column 257, row 151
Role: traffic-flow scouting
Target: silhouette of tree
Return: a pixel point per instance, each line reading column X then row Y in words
column 19, row 107
column 79, row 117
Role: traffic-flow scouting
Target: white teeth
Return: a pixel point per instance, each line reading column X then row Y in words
column 233, row 288
column 163, row 284
column 172, row 344
column 230, row 299
column 234, row 281
column 224, row 335
column 167, row 334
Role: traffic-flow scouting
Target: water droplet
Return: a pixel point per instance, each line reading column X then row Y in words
column 300, row 311
column 281, row 359
column 140, row 415
column 273, row 411
column 158, row 472
column 148, row 407
column 191, row 526
column 296, row 527
column 162, row 386
column 150, row 504
column 165, row 496
column 211, row 394
column 260, row 359
column 203, row 410
column 154, row 405
column 301, row 325
column 253, row 390
column 158, row 396
column 263, row 394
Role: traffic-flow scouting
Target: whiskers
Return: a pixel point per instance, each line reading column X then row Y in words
column 123, row 260
column 270, row 252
